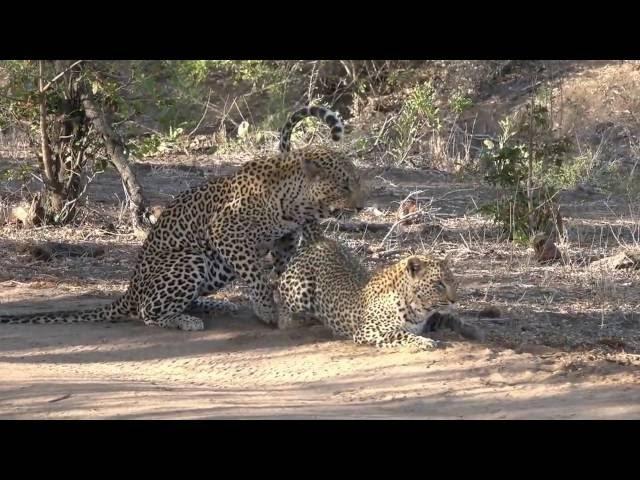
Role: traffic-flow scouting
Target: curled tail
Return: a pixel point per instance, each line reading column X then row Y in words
column 327, row 116
column 113, row 312
column 439, row 321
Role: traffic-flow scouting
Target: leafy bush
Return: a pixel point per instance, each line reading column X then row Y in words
column 530, row 166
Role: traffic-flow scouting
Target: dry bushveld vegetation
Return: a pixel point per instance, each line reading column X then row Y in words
column 525, row 172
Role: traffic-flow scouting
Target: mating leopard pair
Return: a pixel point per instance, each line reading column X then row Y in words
column 219, row 231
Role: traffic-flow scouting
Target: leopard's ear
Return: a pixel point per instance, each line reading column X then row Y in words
column 312, row 170
column 415, row 267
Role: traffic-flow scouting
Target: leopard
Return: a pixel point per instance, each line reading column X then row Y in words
column 391, row 307
column 217, row 232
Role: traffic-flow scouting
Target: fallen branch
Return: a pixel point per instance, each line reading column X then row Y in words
column 49, row 250
column 402, row 220
column 358, row 226
column 386, row 253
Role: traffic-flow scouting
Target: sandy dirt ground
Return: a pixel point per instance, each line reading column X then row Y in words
column 237, row 368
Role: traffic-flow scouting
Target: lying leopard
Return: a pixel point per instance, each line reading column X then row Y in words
column 211, row 234
column 326, row 281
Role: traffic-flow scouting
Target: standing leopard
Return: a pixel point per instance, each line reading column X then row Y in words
column 387, row 308
column 211, row 234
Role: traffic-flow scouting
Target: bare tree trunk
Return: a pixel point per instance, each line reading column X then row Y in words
column 532, row 153
column 53, row 201
column 116, row 151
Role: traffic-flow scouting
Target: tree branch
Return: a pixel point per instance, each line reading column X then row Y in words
column 46, row 151
column 204, row 114
column 58, row 76
column 118, row 157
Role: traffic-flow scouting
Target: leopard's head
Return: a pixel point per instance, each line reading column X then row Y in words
column 332, row 182
column 431, row 284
